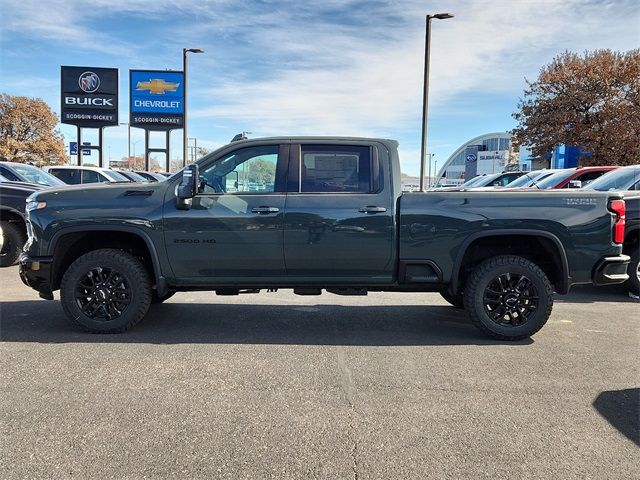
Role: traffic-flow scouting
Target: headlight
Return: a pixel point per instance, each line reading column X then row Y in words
column 33, row 205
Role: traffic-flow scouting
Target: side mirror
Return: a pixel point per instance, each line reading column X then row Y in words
column 575, row 184
column 188, row 187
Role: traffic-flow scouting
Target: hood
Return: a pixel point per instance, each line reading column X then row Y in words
column 93, row 193
column 21, row 186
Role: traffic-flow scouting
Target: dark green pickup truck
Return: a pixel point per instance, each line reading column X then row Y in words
column 313, row 214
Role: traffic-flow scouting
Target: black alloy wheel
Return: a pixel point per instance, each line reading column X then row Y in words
column 103, row 294
column 510, row 299
column 106, row 291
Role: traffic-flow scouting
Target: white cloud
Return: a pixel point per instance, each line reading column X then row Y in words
column 358, row 85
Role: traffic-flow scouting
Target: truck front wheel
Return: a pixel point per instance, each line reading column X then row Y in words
column 12, row 243
column 105, row 291
column 508, row 297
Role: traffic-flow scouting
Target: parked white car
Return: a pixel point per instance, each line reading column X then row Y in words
column 74, row 175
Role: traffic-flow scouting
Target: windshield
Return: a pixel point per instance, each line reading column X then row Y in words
column 473, row 181
column 136, row 177
column 553, row 180
column 621, row 179
column 115, row 176
column 487, row 180
column 527, row 179
column 35, row 175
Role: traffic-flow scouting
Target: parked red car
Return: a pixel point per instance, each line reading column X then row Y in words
column 565, row 177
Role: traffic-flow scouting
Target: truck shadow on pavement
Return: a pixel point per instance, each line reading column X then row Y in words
column 621, row 408
column 592, row 294
column 175, row 323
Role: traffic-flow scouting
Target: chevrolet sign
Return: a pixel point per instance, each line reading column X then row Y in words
column 156, row 99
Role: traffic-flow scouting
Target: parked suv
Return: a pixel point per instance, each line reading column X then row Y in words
column 625, row 178
column 74, row 175
column 573, row 177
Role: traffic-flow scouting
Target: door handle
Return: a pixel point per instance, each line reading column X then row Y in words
column 372, row 209
column 265, row 210
column 348, row 228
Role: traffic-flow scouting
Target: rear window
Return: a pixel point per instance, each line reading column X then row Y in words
column 70, row 176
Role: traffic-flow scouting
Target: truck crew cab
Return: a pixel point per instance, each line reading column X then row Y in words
column 313, row 214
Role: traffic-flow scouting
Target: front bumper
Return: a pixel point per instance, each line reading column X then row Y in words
column 35, row 272
column 611, row 270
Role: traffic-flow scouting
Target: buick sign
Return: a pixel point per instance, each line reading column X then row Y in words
column 89, row 96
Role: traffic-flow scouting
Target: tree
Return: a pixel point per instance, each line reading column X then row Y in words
column 28, row 133
column 592, row 102
column 261, row 171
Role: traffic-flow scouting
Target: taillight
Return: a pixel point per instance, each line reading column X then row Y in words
column 618, row 207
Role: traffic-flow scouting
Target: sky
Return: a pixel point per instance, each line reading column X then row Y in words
column 335, row 67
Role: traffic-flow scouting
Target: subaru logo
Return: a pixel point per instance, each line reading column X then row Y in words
column 89, row 82
column 471, row 157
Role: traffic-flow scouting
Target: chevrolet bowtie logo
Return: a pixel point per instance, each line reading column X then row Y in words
column 157, row 86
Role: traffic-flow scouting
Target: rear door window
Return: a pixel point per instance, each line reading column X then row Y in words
column 89, row 176
column 337, row 169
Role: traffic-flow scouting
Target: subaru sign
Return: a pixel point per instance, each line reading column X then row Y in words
column 156, row 99
column 89, row 96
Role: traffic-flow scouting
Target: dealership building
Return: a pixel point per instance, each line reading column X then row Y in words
column 490, row 151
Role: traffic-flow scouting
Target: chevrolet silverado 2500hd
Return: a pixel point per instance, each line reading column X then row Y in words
column 313, row 214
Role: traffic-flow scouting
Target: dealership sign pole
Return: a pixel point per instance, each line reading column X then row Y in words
column 156, row 103
column 89, row 99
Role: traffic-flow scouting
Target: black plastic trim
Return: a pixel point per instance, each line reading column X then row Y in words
column 566, row 279
column 37, row 278
column 611, row 270
column 161, row 283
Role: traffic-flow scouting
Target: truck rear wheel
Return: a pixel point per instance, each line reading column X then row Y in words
column 508, row 297
column 12, row 243
column 105, row 291
column 633, row 284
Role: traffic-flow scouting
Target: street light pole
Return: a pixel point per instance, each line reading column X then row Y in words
column 425, row 92
column 185, row 147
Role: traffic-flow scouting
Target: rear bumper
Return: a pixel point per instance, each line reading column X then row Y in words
column 35, row 272
column 611, row 270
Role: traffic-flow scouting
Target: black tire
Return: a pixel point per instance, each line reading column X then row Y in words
column 13, row 241
column 508, row 297
column 156, row 299
column 633, row 284
column 456, row 300
column 105, row 291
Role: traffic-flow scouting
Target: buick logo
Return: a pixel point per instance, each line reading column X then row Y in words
column 89, row 82
column 471, row 157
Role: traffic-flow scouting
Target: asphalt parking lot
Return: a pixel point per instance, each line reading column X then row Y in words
column 281, row 386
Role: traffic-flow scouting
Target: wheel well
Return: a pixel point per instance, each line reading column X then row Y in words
column 631, row 240
column 540, row 250
column 15, row 218
column 71, row 246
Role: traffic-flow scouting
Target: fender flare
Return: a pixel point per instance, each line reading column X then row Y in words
column 161, row 282
column 566, row 279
